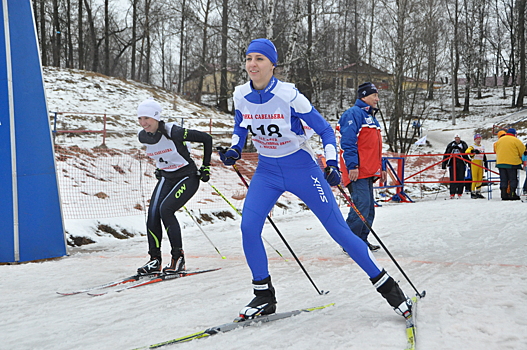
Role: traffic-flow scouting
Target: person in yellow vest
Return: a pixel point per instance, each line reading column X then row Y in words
column 477, row 157
column 509, row 151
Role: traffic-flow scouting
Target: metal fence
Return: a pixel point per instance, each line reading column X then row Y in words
column 102, row 183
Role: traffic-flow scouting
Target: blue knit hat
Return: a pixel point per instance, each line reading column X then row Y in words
column 366, row 89
column 265, row 47
column 511, row 131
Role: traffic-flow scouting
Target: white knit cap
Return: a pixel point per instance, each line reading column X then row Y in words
column 149, row 108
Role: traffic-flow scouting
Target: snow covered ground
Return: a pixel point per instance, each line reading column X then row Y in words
column 469, row 256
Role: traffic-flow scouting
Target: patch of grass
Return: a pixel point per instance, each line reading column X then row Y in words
column 281, row 205
column 223, row 215
column 126, row 233
column 113, row 232
column 101, row 195
column 303, row 206
column 205, row 217
column 77, row 241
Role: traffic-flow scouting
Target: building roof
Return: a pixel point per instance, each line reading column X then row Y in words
column 208, row 69
column 360, row 67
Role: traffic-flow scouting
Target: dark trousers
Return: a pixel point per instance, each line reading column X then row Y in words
column 459, row 168
column 168, row 196
column 508, row 176
column 362, row 196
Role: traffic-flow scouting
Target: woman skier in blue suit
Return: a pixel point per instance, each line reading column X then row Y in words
column 273, row 112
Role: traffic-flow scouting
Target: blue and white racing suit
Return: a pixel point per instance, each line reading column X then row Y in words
column 277, row 118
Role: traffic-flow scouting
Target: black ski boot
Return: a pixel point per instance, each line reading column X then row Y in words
column 152, row 267
column 177, row 263
column 391, row 291
column 504, row 194
column 373, row 247
column 263, row 304
column 513, row 195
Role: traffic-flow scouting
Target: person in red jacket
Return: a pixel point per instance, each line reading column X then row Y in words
column 361, row 143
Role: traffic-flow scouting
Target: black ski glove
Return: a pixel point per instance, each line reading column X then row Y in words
column 204, row 173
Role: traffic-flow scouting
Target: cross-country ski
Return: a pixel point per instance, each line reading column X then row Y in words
column 133, row 278
column 156, row 279
column 234, row 325
column 411, row 327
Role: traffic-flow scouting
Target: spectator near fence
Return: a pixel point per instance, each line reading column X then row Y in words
column 361, row 143
column 456, row 165
column 417, row 127
column 509, row 151
column 524, row 160
column 478, row 158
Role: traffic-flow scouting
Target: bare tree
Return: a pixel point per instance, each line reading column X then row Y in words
column 432, row 28
column 203, row 68
column 520, row 5
column 181, row 48
column 293, row 40
column 43, row 38
column 80, row 35
column 453, row 15
column 147, row 35
column 469, row 54
column 106, row 38
column 222, row 103
column 269, row 19
column 94, row 47
column 508, row 17
column 134, row 38
column 482, row 9
column 57, row 34
column 69, row 36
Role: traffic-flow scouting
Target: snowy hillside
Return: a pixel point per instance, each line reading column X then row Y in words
column 83, row 98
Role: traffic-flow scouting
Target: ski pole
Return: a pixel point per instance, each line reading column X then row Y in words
column 239, row 213
column 282, row 237
column 350, row 201
column 439, row 188
column 194, row 219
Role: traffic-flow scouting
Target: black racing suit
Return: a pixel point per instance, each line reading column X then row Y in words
column 174, row 188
